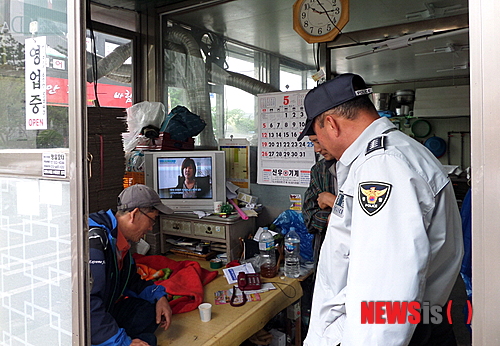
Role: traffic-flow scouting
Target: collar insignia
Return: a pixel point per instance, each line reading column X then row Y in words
column 373, row 195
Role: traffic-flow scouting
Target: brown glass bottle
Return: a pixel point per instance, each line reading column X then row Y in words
column 268, row 270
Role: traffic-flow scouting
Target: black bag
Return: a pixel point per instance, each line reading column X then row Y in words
column 183, row 124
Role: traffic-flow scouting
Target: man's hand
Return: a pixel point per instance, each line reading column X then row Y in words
column 139, row 342
column 163, row 313
column 326, row 200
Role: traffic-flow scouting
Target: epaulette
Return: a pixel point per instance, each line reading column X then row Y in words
column 378, row 142
column 375, row 144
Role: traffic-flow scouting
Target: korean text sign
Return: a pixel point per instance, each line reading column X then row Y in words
column 36, row 81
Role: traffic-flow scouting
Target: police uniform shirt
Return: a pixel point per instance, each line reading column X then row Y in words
column 394, row 235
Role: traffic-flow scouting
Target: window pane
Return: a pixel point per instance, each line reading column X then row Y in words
column 239, row 105
column 112, row 63
column 290, row 81
column 239, row 114
column 33, row 48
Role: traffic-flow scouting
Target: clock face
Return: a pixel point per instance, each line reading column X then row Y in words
column 319, row 17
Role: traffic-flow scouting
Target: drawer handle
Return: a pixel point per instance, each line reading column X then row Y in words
column 209, row 230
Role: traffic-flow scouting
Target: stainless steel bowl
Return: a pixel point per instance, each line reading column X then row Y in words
column 405, row 97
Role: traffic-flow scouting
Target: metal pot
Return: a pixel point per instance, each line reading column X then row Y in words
column 405, row 97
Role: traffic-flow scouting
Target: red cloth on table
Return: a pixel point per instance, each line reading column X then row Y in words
column 187, row 280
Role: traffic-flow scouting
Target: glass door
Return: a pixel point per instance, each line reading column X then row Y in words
column 42, row 251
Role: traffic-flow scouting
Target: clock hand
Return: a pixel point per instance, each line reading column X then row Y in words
column 315, row 10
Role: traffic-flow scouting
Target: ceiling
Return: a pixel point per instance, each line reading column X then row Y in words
column 267, row 25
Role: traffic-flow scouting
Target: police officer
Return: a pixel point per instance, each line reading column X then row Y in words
column 394, row 234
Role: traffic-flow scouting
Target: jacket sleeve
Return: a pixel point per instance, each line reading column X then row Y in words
column 315, row 218
column 139, row 288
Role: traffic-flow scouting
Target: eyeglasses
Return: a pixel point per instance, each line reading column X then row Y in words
column 149, row 217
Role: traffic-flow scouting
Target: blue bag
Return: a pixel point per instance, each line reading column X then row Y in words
column 290, row 218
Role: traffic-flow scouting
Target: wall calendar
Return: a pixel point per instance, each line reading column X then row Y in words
column 281, row 159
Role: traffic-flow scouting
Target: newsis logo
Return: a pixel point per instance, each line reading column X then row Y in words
column 394, row 312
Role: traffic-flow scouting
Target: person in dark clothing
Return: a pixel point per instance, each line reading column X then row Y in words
column 319, row 196
column 466, row 268
column 124, row 309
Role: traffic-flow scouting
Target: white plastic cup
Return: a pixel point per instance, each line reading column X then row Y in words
column 217, row 206
column 205, row 312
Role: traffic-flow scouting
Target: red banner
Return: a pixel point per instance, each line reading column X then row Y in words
column 109, row 95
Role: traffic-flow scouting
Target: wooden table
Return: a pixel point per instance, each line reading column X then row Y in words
column 229, row 325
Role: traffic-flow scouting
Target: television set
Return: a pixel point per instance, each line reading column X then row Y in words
column 187, row 180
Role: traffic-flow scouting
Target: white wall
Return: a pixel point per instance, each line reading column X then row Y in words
column 485, row 126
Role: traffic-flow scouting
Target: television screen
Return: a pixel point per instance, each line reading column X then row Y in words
column 187, row 180
column 185, row 177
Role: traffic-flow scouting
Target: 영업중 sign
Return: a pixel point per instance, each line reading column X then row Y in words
column 35, row 83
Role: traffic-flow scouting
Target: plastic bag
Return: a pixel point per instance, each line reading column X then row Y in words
column 145, row 113
column 182, row 124
column 140, row 115
column 290, row 218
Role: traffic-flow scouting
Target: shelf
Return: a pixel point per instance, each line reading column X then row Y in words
column 223, row 233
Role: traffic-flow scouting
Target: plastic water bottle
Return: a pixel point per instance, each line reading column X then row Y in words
column 267, row 254
column 292, row 250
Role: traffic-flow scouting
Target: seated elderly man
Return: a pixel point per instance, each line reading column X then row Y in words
column 124, row 309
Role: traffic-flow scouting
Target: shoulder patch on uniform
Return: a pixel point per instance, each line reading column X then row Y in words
column 373, row 195
column 375, row 144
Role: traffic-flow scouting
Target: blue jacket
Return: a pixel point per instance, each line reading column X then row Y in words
column 109, row 283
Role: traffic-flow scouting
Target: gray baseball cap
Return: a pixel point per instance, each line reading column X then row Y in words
column 141, row 196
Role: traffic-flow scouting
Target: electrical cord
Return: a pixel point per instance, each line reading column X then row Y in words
column 282, row 283
column 331, row 21
column 94, row 54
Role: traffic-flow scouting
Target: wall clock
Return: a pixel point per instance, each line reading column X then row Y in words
column 320, row 20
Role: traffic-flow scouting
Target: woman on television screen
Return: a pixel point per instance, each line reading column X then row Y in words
column 190, row 185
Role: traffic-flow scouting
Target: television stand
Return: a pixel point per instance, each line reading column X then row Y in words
column 223, row 233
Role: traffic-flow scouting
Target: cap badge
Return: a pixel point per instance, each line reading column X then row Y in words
column 373, row 196
column 363, row 92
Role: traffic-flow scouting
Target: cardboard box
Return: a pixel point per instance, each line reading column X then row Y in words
column 247, row 198
column 279, row 338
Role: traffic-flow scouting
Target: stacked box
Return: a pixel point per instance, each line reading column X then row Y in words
column 106, row 156
column 153, row 239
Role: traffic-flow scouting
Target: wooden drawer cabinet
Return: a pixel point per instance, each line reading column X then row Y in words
column 209, row 230
column 177, row 226
column 225, row 232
